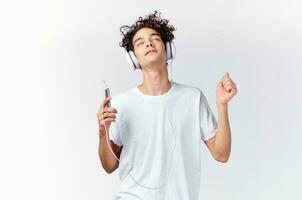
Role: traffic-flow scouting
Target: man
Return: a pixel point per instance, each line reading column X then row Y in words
column 160, row 123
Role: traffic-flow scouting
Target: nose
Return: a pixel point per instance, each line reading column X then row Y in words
column 149, row 43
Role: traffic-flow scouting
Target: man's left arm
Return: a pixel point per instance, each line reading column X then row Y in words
column 220, row 145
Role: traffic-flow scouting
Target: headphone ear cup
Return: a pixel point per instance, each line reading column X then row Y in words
column 171, row 50
column 132, row 60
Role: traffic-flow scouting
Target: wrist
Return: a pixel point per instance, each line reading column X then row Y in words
column 102, row 132
column 221, row 105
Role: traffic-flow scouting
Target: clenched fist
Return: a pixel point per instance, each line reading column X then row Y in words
column 226, row 89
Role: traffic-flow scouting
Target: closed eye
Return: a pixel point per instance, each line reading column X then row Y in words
column 156, row 38
column 139, row 43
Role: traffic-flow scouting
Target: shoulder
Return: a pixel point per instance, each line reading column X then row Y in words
column 121, row 98
column 190, row 95
column 187, row 89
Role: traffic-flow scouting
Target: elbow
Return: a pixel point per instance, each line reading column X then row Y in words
column 109, row 169
column 108, row 166
column 222, row 158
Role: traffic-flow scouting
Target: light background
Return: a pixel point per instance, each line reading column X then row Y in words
column 55, row 54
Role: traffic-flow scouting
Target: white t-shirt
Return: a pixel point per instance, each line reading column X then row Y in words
column 161, row 138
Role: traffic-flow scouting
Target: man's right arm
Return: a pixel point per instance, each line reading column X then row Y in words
column 105, row 116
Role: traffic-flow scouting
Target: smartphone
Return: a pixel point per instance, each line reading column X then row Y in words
column 107, row 94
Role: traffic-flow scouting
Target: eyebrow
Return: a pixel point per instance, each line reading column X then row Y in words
column 149, row 35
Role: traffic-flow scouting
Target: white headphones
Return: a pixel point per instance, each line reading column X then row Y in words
column 133, row 62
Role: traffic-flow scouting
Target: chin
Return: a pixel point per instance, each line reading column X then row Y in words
column 154, row 58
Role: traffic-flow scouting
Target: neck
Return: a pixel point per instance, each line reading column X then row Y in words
column 155, row 82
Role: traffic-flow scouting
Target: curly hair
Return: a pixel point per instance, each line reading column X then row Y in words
column 153, row 21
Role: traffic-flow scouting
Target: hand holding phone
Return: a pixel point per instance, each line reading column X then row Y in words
column 106, row 114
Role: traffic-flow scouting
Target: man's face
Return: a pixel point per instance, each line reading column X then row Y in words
column 149, row 47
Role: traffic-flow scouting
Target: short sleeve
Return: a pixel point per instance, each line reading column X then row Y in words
column 208, row 122
column 114, row 133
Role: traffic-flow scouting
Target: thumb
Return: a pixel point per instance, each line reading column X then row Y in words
column 226, row 74
column 223, row 76
column 220, row 83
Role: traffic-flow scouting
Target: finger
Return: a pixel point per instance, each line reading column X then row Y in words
column 234, row 85
column 105, row 101
column 227, row 81
column 110, row 109
column 231, row 88
column 107, row 114
column 106, row 119
column 227, row 84
column 102, row 122
column 224, row 77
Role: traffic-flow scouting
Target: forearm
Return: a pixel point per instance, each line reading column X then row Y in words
column 223, row 137
column 108, row 161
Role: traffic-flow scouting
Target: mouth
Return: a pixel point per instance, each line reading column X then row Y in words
column 151, row 51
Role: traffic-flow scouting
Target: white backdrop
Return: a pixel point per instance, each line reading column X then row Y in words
column 55, row 54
